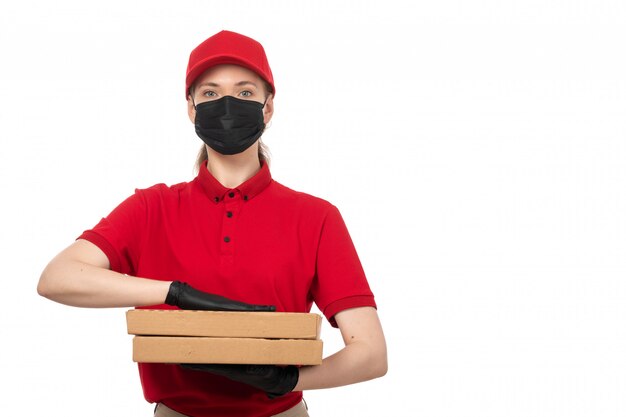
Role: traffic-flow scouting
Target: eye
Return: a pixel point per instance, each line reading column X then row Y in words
column 209, row 93
column 246, row 93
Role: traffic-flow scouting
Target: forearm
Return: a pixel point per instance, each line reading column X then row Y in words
column 356, row 362
column 82, row 285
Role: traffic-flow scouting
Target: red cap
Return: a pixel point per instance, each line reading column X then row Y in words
column 228, row 47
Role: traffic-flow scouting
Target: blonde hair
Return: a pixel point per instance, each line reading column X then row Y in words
column 264, row 151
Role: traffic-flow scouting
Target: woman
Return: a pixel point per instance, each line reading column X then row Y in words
column 231, row 239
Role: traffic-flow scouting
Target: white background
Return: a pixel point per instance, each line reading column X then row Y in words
column 476, row 150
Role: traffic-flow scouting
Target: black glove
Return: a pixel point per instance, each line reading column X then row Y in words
column 274, row 380
column 188, row 298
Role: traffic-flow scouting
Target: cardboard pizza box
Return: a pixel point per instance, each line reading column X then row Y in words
column 174, row 349
column 227, row 324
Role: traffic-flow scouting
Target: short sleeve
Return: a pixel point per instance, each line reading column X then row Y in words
column 340, row 281
column 118, row 235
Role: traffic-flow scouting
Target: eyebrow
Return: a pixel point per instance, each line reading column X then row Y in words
column 239, row 84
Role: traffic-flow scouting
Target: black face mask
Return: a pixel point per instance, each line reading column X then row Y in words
column 229, row 125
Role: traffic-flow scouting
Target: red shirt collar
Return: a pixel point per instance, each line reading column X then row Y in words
column 248, row 189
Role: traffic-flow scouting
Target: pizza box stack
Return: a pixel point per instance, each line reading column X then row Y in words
column 192, row 336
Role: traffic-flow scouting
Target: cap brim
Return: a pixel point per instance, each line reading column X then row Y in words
column 206, row 64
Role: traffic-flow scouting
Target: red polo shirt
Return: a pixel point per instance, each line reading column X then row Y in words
column 260, row 243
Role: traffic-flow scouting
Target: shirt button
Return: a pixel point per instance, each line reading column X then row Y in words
column 217, row 199
column 226, row 239
column 231, row 194
column 229, row 214
column 245, row 197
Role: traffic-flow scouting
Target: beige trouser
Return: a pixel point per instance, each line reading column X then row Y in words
column 299, row 410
